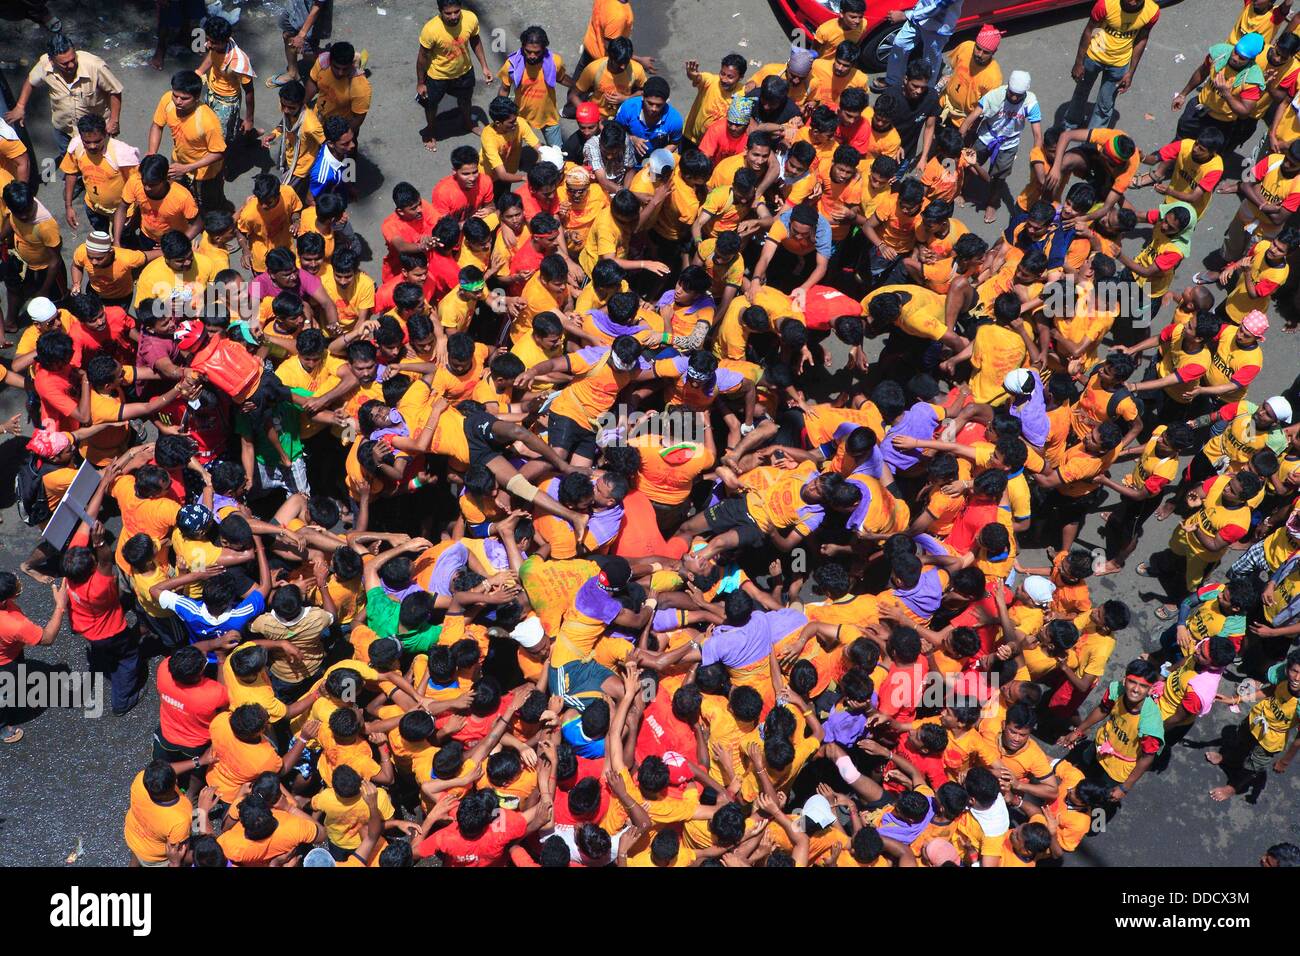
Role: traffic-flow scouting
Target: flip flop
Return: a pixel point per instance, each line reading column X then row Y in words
column 1166, row 612
column 15, row 735
column 878, row 85
column 1203, row 278
column 1144, row 570
column 277, row 81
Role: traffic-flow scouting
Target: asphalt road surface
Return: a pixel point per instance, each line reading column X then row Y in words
column 65, row 785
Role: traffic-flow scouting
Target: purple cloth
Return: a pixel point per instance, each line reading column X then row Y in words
column 929, row 544
column 595, row 602
column 607, row 326
column 925, row 597
column 665, row 619
column 702, row 302
column 860, row 512
column 784, row 622
column 740, row 646
column 604, row 524
column 1032, row 412
column 873, row 466
column 264, row 285
column 844, row 728
column 919, row 421
column 902, row 831
column 445, row 568
column 517, row 66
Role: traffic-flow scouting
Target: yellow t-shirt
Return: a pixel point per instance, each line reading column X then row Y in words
column 450, row 46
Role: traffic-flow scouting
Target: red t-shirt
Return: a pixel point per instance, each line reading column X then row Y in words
column 718, row 143
column 968, row 523
column 95, row 607
column 450, row 199
column 900, row 692
column 930, row 765
column 114, row 339
column 444, row 274
column 533, row 204
column 409, row 231
column 184, row 713
column 384, row 294
column 563, row 816
column 663, row 735
column 487, row 849
column 59, row 396
column 16, row 632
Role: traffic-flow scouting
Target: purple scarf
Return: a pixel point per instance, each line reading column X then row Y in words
column 607, row 326
column 924, row 598
column 517, row 66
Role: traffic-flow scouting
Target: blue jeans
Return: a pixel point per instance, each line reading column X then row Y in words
column 552, row 136
column 905, row 41
column 1105, row 109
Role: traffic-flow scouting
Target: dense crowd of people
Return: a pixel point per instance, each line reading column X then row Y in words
column 655, row 494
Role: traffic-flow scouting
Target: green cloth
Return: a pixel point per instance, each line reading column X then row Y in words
column 1150, row 723
column 382, row 612
column 1182, row 240
column 287, row 418
column 419, row 642
column 1251, row 74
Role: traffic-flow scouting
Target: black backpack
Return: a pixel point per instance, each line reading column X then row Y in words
column 29, row 490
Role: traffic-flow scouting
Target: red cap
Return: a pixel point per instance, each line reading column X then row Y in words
column 988, row 38
column 188, row 335
column 588, row 113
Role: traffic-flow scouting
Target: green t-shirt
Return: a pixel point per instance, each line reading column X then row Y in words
column 382, row 617
column 287, row 418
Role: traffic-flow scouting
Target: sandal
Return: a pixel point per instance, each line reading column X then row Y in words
column 1204, row 278
column 1145, row 570
column 15, row 734
column 1143, row 181
column 1166, row 612
column 275, row 82
column 878, row 85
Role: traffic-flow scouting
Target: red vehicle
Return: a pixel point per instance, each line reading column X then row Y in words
column 808, row 15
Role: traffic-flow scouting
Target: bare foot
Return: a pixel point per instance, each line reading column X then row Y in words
column 1222, row 793
column 1213, row 757
column 431, row 145
column 1164, row 511
column 156, row 61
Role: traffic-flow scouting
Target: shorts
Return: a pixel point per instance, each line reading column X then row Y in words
column 1000, row 168
column 1069, row 509
column 732, row 515
column 272, row 475
column 564, row 434
column 578, row 682
column 478, row 436
column 458, row 87
column 164, row 749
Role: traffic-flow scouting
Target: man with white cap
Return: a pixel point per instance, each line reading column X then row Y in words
column 46, row 317
column 108, row 270
column 998, row 121
column 1238, row 431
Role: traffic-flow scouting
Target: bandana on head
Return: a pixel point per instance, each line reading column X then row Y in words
column 740, row 110
column 1118, row 148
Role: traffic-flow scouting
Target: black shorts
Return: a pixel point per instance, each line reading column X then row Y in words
column 458, row 87
column 732, row 515
column 478, row 436
column 564, row 434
